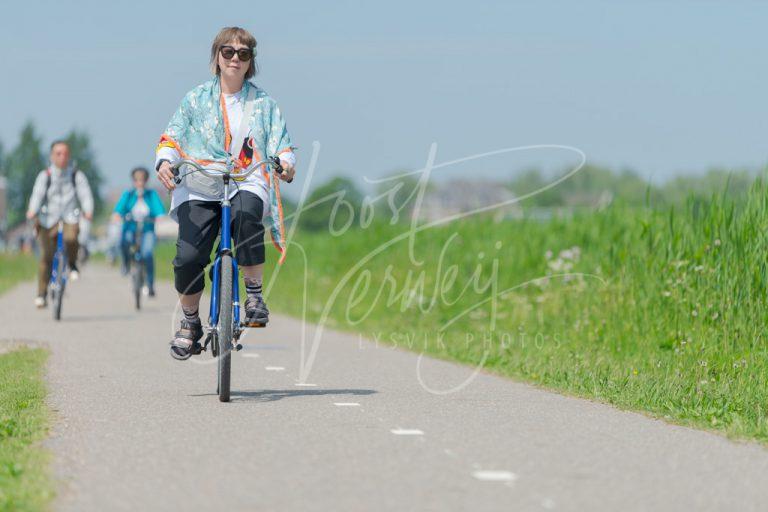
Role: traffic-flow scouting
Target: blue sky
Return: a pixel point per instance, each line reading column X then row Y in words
column 662, row 87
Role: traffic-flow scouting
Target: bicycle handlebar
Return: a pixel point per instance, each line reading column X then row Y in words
column 217, row 172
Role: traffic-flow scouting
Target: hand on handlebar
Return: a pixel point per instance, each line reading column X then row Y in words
column 166, row 175
column 284, row 170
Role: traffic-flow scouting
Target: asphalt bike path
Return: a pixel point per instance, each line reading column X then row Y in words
column 368, row 428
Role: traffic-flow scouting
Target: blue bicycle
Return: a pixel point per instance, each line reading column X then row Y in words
column 224, row 327
column 58, row 280
column 136, row 263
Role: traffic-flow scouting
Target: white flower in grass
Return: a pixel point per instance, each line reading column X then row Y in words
column 571, row 254
column 576, row 252
column 717, row 242
column 556, row 265
column 666, row 293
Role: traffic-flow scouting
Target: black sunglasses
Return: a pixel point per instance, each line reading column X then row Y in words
column 244, row 54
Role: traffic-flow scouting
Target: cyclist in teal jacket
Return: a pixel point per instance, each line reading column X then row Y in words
column 140, row 205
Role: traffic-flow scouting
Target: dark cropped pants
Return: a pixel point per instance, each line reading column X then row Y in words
column 199, row 223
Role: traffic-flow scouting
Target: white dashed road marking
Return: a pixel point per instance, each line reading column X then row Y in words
column 407, row 432
column 274, row 368
column 495, row 476
column 346, row 404
column 306, row 384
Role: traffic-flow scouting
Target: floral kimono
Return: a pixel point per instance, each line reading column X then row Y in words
column 200, row 131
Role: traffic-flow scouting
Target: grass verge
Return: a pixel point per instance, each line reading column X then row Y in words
column 24, row 481
column 15, row 268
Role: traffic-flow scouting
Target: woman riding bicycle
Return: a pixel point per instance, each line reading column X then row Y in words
column 139, row 205
column 209, row 126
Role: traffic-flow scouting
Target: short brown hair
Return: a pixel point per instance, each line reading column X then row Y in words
column 57, row 142
column 233, row 34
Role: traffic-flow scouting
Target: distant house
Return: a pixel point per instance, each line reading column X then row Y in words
column 461, row 196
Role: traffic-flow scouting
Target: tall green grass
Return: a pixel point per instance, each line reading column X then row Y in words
column 653, row 310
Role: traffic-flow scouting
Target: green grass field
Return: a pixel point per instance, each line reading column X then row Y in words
column 665, row 314
column 24, row 482
column 15, row 268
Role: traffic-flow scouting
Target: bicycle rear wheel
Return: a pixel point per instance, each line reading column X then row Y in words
column 225, row 327
column 58, row 286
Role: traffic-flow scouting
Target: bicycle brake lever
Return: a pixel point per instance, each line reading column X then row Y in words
column 176, row 177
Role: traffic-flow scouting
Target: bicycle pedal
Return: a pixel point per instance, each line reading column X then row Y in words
column 253, row 324
column 238, row 347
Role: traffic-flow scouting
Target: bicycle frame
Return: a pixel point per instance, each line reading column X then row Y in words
column 225, row 246
column 138, row 236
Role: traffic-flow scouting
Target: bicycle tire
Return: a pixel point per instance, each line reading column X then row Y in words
column 138, row 283
column 225, row 328
column 58, row 287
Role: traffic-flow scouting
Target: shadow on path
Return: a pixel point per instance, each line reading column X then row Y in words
column 270, row 395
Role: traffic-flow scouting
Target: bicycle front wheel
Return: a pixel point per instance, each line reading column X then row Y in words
column 225, row 327
column 138, row 282
column 58, row 286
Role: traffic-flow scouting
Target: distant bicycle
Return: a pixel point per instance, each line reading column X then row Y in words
column 224, row 328
column 58, row 281
column 138, row 269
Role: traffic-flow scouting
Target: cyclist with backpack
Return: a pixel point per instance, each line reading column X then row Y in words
column 138, row 205
column 56, row 194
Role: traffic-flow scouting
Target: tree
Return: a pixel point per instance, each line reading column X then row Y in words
column 586, row 187
column 732, row 183
column 332, row 205
column 22, row 165
column 82, row 156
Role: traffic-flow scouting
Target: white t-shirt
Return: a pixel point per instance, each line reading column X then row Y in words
column 254, row 183
column 140, row 210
